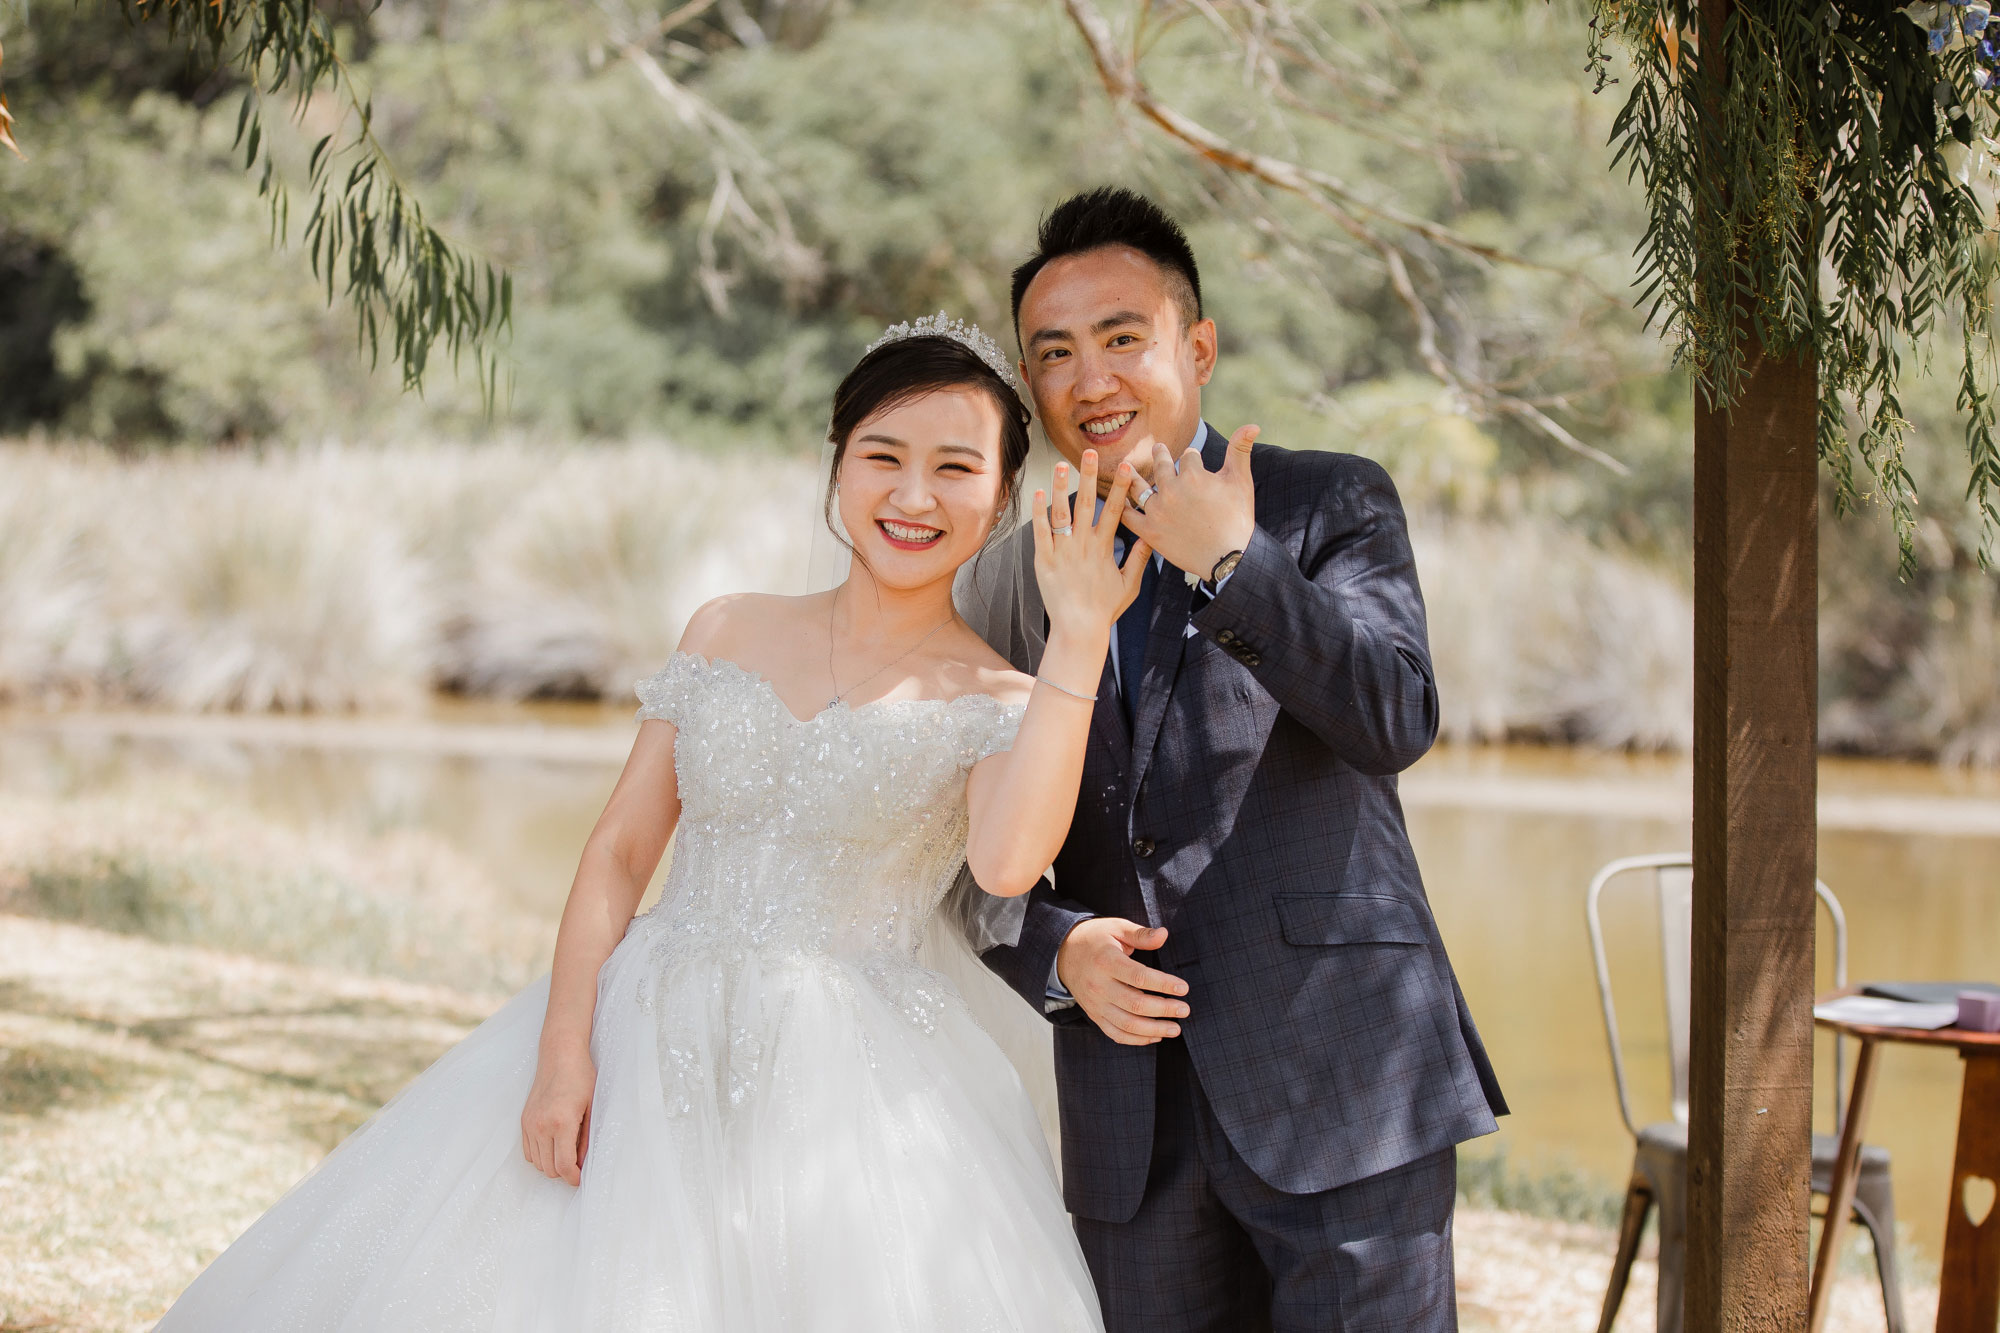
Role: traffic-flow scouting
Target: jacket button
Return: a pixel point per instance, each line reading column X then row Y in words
column 1142, row 847
column 1251, row 659
column 1225, row 636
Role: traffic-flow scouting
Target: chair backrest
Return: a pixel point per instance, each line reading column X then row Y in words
column 1672, row 876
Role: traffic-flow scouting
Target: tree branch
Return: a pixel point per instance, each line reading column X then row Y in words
column 1346, row 209
column 1325, row 191
column 766, row 222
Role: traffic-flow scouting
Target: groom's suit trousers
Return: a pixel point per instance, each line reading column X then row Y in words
column 1215, row 1249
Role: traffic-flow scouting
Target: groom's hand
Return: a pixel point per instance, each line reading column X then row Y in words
column 1131, row 1003
column 1193, row 516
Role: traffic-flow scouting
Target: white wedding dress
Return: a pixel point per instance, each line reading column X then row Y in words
column 796, row 1126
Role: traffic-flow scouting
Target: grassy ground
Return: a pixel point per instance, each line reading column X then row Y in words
column 154, row 1098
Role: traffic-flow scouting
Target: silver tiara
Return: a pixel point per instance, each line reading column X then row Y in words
column 968, row 336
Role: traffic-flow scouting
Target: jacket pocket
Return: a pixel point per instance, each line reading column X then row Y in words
column 1348, row 918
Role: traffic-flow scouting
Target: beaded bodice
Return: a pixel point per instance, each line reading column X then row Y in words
column 838, row 834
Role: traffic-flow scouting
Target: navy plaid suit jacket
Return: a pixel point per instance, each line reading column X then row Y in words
column 1251, row 809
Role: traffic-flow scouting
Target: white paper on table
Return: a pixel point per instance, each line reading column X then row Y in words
column 1887, row 1013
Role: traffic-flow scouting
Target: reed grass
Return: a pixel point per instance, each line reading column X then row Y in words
column 365, row 577
column 1538, row 633
column 336, row 578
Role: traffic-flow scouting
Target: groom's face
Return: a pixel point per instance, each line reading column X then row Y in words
column 1111, row 359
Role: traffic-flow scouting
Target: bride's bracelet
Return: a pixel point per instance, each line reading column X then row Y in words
column 1087, row 698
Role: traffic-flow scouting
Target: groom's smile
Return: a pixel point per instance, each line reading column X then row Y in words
column 1107, row 428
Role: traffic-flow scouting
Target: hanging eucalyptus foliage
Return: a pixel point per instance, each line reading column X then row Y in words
column 367, row 234
column 1820, row 179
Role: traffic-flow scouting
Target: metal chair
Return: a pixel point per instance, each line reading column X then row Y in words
column 1659, row 1166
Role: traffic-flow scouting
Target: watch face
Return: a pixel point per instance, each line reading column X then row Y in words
column 1227, row 565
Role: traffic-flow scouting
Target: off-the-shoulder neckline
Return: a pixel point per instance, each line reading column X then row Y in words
column 841, row 705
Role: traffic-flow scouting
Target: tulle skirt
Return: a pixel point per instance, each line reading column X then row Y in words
column 778, row 1142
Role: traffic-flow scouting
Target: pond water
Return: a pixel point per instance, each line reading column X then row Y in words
column 1508, row 839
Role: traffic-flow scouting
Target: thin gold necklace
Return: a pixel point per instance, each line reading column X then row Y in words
column 838, row 693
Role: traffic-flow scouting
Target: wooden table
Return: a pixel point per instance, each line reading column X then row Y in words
column 1969, row 1287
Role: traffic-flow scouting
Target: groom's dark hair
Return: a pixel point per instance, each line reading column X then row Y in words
column 1112, row 215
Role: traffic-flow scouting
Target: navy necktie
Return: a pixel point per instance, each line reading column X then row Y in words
column 1133, row 627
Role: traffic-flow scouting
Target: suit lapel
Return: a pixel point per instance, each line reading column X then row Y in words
column 1166, row 640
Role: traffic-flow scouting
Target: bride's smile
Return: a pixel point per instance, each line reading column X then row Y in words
column 909, row 536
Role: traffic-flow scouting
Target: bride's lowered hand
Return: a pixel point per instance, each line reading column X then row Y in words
column 555, row 1123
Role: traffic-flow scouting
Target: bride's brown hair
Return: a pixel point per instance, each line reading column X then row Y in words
column 908, row 368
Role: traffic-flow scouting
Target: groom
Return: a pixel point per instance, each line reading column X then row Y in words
column 1262, row 1055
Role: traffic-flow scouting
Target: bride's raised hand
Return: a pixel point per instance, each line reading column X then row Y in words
column 1020, row 814
column 555, row 1123
column 1083, row 587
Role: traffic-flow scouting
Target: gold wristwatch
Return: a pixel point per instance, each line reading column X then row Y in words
column 1224, row 568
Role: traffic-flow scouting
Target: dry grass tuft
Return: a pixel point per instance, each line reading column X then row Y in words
column 1537, row 632
column 400, row 904
column 362, row 578
column 339, row 578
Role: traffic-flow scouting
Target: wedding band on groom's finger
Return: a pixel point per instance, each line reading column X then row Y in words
column 1062, row 531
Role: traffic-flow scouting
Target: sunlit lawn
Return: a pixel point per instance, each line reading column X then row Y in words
column 155, row 1098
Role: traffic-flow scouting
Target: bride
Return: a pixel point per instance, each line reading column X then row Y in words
column 751, row 1109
